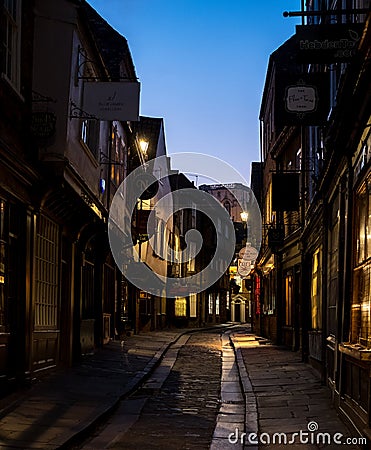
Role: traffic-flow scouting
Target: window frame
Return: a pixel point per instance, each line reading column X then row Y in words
column 11, row 52
column 360, row 328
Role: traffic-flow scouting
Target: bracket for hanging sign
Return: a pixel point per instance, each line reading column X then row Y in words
column 78, row 113
column 107, row 77
column 333, row 12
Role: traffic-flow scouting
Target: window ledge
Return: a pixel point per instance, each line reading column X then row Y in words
column 355, row 351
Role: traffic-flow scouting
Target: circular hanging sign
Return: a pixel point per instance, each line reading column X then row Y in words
column 248, row 253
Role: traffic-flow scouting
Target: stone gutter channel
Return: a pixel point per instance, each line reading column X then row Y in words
column 238, row 416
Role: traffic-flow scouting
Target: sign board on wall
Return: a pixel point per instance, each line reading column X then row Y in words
column 327, row 43
column 112, row 100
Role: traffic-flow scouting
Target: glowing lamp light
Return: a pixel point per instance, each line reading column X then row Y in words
column 244, row 216
column 143, row 146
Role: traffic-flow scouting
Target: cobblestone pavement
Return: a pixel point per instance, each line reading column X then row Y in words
column 191, row 400
column 182, row 414
column 66, row 402
column 289, row 395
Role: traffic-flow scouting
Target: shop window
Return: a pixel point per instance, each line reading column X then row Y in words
column 117, row 157
column 333, row 266
column 46, row 273
column 180, row 307
column 10, row 40
column 192, row 305
column 288, row 299
column 211, row 304
column 361, row 303
column 269, row 287
column 316, row 296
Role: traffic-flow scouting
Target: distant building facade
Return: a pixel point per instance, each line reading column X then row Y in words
column 238, row 200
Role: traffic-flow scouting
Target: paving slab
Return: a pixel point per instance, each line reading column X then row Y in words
column 288, row 393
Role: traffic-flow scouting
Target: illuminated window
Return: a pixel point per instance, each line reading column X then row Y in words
column 180, row 307
column 192, row 305
column 10, row 40
column 361, row 302
column 211, row 304
column 288, row 299
column 217, row 305
column 316, row 295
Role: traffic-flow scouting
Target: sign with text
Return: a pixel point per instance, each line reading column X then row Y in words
column 248, row 253
column 112, row 100
column 43, row 124
column 301, row 99
column 327, row 43
column 244, row 267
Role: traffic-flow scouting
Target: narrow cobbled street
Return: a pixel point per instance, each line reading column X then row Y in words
column 179, row 411
column 225, row 389
column 183, row 413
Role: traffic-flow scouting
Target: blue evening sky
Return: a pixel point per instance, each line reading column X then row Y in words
column 202, row 65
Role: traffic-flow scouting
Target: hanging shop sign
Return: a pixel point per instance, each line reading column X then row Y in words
column 248, row 253
column 285, row 191
column 112, row 100
column 327, row 43
column 275, row 238
column 301, row 99
column 244, row 267
column 43, row 124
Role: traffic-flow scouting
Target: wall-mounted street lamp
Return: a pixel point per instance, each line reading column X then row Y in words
column 244, row 216
column 143, row 145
